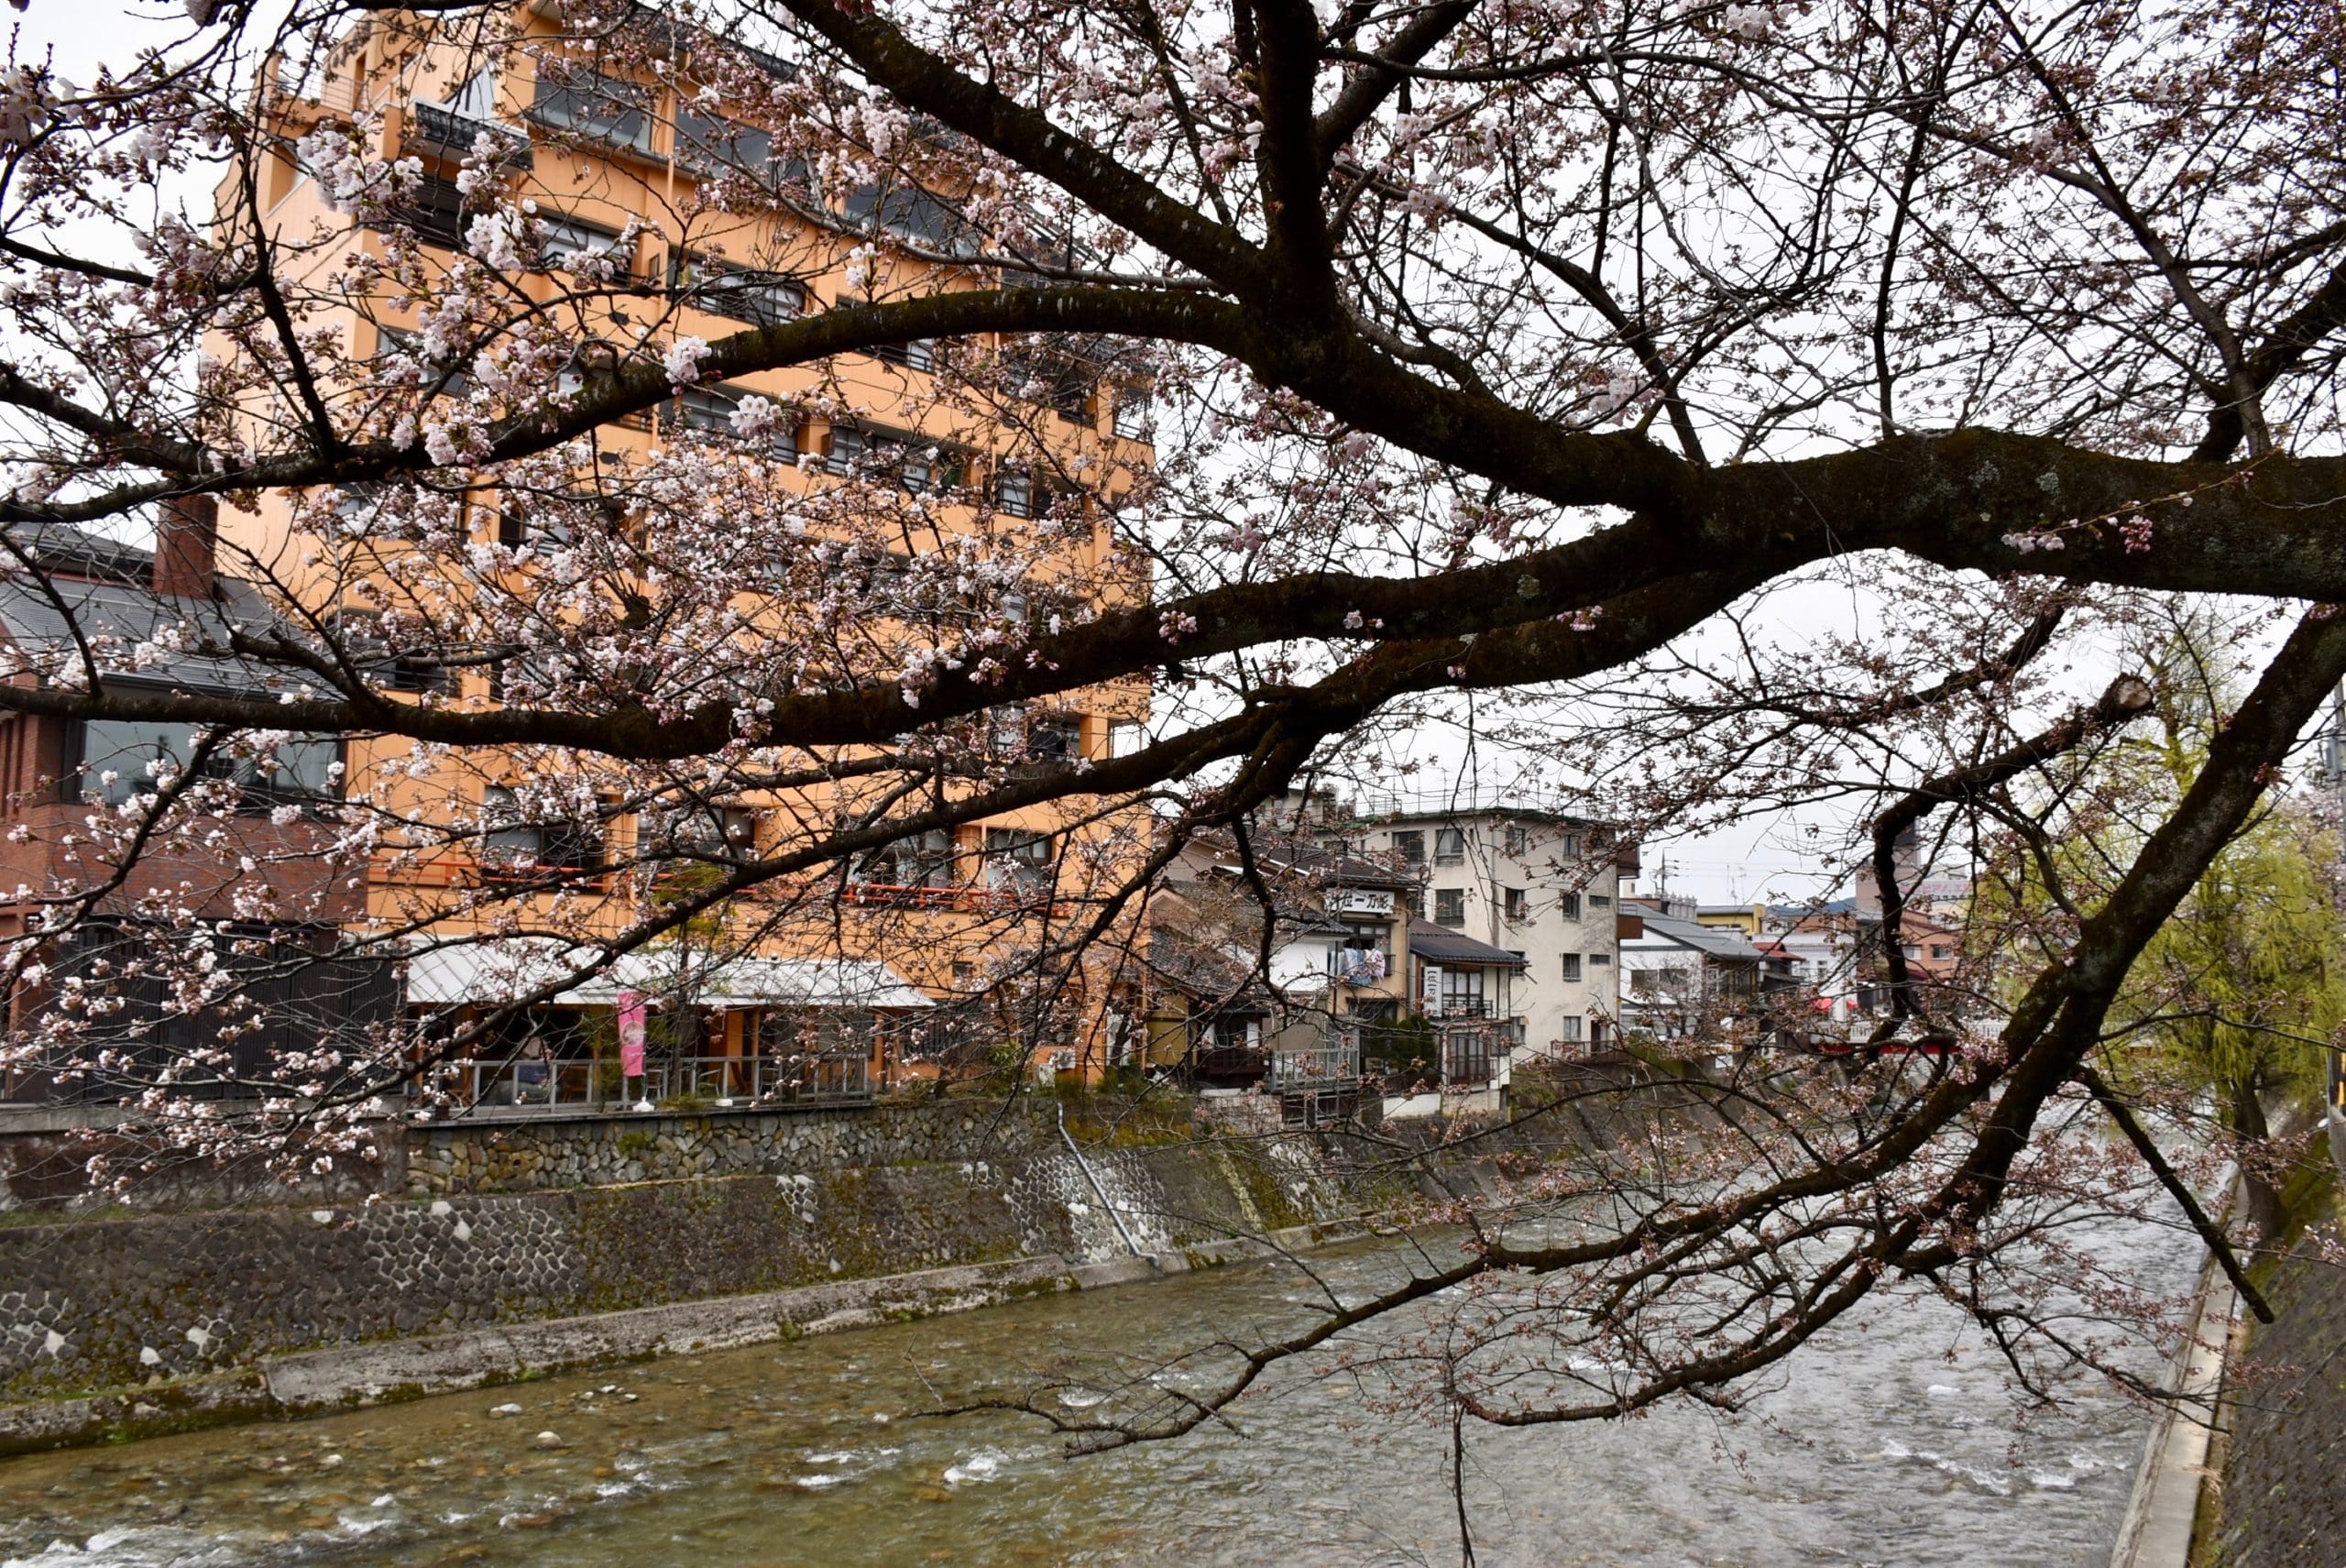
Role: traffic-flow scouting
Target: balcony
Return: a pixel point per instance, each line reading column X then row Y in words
column 1452, row 1008
column 1336, row 1065
column 966, row 899
column 594, row 1083
column 438, row 131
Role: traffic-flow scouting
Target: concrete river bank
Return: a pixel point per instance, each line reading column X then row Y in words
column 1895, row 1443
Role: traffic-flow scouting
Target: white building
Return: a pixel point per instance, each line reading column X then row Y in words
column 1681, row 978
column 1532, row 880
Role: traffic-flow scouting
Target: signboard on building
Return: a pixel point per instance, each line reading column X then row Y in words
column 1359, row 901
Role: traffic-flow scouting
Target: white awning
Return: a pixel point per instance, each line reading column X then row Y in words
column 506, row 968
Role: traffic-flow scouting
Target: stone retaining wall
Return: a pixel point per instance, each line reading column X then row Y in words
column 531, row 1154
column 94, row 1304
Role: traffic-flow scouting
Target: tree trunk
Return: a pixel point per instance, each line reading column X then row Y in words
column 2251, row 1129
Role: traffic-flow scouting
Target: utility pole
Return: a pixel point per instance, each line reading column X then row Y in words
column 2333, row 761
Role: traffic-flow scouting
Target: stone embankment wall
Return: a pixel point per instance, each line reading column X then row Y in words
column 542, row 1153
column 499, row 1224
column 2280, row 1500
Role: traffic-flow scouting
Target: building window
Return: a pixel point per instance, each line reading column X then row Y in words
column 1600, row 900
column 707, row 830
column 913, row 215
column 710, row 411
column 440, row 381
column 1940, row 950
column 1518, row 838
column 1054, row 736
column 1450, row 906
column 1016, row 858
column 1014, row 493
column 1516, row 905
column 1568, row 904
column 1462, row 993
column 919, row 354
column 738, row 293
column 119, row 758
column 589, row 104
column 373, row 645
column 923, row 862
column 1411, row 847
column 1598, row 960
column 1448, row 846
column 434, row 214
column 915, row 465
column 1571, row 966
column 565, row 242
column 1132, row 413
column 1571, row 846
column 509, row 840
column 524, row 521
column 707, row 143
column 1570, row 1024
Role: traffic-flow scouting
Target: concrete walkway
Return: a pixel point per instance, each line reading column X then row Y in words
column 2156, row 1533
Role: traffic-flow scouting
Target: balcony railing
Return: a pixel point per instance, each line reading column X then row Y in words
column 445, row 133
column 967, row 898
column 587, row 1083
column 1332, row 1066
column 1463, row 1007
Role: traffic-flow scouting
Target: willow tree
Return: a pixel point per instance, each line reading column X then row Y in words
column 1508, row 358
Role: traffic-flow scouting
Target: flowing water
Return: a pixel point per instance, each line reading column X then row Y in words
column 1892, row 1444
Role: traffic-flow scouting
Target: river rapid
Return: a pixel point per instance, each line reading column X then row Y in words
column 1893, row 1444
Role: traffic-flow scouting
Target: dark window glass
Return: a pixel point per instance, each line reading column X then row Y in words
column 567, row 240
column 914, row 214
column 916, row 466
column 920, row 353
column 510, row 839
column 435, row 213
column 706, row 143
column 711, row 410
column 740, row 293
column 1450, row 906
column 592, row 105
column 1016, row 858
column 440, row 380
column 119, row 758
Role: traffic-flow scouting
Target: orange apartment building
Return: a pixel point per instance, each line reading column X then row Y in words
column 485, row 886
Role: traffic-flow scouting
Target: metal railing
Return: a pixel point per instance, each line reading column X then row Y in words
column 450, row 133
column 1332, row 1065
column 581, row 1083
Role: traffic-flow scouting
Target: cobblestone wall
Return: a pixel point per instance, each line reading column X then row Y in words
column 541, row 1154
column 2282, row 1495
column 90, row 1304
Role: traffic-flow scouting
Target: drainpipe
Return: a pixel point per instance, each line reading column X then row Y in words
column 1059, row 1109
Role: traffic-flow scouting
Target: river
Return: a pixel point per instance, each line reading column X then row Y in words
column 1892, row 1445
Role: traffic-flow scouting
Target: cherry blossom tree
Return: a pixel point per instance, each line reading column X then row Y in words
column 1534, row 367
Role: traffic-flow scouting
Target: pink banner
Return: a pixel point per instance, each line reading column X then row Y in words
column 631, row 1016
